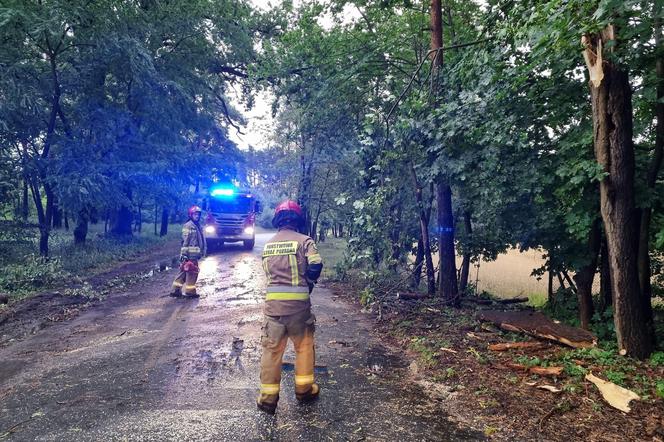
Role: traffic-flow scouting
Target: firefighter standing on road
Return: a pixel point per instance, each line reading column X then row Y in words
column 292, row 266
column 193, row 248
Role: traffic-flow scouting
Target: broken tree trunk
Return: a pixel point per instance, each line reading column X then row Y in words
column 537, row 325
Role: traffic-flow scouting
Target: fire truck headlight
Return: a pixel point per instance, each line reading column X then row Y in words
column 249, row 230
column 209, row 229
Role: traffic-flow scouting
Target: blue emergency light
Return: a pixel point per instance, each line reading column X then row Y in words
column 222, row 191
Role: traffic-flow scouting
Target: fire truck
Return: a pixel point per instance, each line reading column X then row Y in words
column 230, row 216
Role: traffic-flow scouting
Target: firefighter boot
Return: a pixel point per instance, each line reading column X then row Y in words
column 310, row 395
column 268, row 407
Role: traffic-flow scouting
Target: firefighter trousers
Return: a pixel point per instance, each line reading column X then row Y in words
column 185, row 282
column 277, row 330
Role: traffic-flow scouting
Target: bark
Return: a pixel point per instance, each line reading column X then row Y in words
column 585, row 276
column 614, row 149
column 164, row 222
column 448, row 288
column 417, row 268
column 465, row 264
column 81, row 230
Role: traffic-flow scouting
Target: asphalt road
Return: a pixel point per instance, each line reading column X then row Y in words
column 142, row 366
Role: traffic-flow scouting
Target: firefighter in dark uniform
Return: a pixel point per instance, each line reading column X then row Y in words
column 192, row 250
column 292, row 265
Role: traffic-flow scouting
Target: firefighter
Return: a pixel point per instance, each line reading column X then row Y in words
column 193, row 248
column 292, row 265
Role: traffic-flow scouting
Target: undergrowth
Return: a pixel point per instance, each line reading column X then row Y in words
column 24, row 272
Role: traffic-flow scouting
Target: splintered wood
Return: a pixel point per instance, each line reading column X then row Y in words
column 530, row 345
column 617, row 396
column 537, row 325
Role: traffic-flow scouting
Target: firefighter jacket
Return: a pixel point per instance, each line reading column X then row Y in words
column 194, row 245
column 291, row 263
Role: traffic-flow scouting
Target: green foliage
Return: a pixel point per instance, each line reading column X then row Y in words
column 657, row 359
column 617, row 377
column 659, row 388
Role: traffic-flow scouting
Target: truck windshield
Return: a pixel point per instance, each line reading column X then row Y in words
column 237, row 204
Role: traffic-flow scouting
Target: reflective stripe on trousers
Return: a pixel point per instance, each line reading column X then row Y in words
column 299, row 328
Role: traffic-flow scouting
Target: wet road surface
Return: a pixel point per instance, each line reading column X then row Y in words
column 142, row 366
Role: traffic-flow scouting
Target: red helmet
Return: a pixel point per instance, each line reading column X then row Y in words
column 192, row 210
column 287, row 212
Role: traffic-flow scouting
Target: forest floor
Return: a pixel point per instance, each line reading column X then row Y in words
column 477, row 387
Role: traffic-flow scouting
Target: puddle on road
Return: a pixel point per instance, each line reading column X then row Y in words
column 378, row 360
column 218, row 361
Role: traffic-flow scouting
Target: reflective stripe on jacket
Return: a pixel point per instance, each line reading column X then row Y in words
column 193, row 241
column 285, row 259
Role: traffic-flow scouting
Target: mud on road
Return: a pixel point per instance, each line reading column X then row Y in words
column 141, row 366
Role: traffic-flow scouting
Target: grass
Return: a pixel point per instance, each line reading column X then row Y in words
column 24, row 272
column 332, row 251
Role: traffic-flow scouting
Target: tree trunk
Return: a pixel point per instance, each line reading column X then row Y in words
column 614, row 149
column 44, row 227
column 81, row 230
column 66, row 215
column 585, row 276
column 340, row 232
column 164, row 222
column 50, row 202
column 25, row 208
column 57, row 215
column 465, row 264
column 121, row 221
column 395, row 233
column 416, row 275
column 424, row 232
column 605, row 293
column 448, row 288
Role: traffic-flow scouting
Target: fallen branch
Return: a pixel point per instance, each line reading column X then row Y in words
column 511, row 300
column 537, row 325
column 541, row 371
column 529, row 345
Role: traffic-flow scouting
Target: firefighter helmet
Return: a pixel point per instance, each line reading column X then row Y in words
column 192, row 210
column 287, row 212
